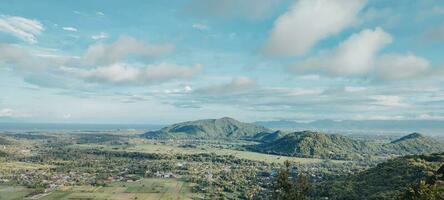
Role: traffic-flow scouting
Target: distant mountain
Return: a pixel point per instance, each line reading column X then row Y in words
column 226, row 127
column 315, row 145
column 429, row 126
column 335, row 146
column 388, row 179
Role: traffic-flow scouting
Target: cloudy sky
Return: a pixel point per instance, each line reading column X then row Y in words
column 92, row 61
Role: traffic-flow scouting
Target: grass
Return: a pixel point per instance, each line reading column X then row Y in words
column 148, row 146
column 10, row 192
column 173, row 149
column 146, row 189
column 13, row 166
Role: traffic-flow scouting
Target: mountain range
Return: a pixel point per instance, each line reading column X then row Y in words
column 311, row 144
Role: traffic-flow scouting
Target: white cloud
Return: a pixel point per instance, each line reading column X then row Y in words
column 114, row 73
column 354, row 89
column 11, row 53
column 100, row 13
column 427, row 116
column 388, row 101
column 66, row 116
column 16, row 57
column 201, row 27
column 359, row 56
column 123, row 47
column 237, row 84
column 166, row 71
column 22, row 28
column 354, row 56
column 121, row 73
column 19, row 57
column 309, row 21
column 6, row 112
column 398, row 66
column 99, row 36
column 71, row 29
column 378, row 117
column 187, row 88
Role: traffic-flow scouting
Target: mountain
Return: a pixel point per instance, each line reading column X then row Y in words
column 315, row 145
column 388, row 179
column 269, row 136
column 414, row 143
column 429, row 126
column 225, row 128
column 409, row 137
column 335, row 146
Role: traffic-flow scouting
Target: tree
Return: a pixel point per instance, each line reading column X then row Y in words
column 440, row 172
column 302, row 187
column 420, row 191
column 285, row 189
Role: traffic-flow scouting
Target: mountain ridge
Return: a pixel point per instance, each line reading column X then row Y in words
column 225, row 127
column 335, row 146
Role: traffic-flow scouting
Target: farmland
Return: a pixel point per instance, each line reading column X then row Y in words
column 120, row 165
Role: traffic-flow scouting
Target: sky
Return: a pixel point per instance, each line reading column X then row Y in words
column 155, row 62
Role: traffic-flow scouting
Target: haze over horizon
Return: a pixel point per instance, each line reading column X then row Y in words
column 166, row 62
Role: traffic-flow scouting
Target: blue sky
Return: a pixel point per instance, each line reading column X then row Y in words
column 168, row 61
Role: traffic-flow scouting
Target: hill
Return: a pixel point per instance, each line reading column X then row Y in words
column 334, row 146
column 226, row 128
column 315, row 145
column 388, row 179
column 414, row 143
column 268, row 137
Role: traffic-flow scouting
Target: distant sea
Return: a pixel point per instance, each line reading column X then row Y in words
column 73, row 127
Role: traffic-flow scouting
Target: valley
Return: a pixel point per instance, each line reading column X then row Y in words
column 120, row 164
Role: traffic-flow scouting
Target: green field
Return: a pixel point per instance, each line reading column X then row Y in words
column 174, row 149
column 147, row 189
column 12, row 166
column 10, row 192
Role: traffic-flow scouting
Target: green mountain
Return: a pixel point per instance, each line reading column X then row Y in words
column 268, row 137
column 334, row 146
column 414, row 143
column 316, row 145
column 388, row 179
column 223, row 128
